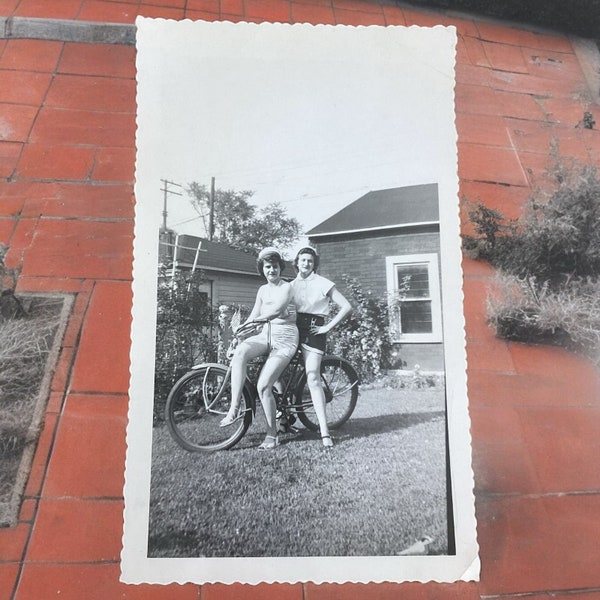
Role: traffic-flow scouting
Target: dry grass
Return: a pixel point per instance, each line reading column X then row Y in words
column 25, row 345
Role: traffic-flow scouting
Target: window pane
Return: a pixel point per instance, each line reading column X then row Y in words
column 416, row 317
column 418, row 285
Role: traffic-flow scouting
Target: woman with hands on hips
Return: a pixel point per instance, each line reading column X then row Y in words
column 311, row 293
column 278, row 339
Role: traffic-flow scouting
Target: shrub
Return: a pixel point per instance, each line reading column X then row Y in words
column 185, row 331
column 549, row 260
column 363, row 337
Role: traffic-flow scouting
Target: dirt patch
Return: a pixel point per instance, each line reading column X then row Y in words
column 29, row 347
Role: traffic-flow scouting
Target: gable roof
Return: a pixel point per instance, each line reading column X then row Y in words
column 384, row 209
column 213, row 256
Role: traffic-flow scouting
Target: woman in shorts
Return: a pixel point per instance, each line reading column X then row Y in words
column 278, row 339
column 312, row 294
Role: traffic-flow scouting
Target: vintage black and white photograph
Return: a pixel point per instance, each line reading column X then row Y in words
column 298, row 398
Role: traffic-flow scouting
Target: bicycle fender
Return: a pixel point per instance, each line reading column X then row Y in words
column 345, row 362
column 249, row 389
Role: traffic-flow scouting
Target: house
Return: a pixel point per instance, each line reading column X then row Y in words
column 383, row 239
column 230, row 275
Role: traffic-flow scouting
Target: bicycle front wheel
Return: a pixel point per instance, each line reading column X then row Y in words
column 197, row 404
column 340, row 385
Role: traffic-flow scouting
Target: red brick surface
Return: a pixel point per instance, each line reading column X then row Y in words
column 67, row 139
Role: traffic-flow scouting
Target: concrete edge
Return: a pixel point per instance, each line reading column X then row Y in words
column 62, row 30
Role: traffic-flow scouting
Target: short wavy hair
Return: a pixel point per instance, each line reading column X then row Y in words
column 307, row 250
column 269, row 255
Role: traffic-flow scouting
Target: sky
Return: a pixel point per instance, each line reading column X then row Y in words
column 310, row 117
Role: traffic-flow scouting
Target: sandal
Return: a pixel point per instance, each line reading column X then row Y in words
column 327, row 441
column 231, row 418
column 271, row 442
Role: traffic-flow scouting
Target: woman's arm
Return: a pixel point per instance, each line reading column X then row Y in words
column 345, row 309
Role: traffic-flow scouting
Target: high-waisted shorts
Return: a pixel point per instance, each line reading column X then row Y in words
column 280, row 339
column 308, row 340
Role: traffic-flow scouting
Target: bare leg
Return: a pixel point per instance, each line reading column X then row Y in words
column 312, row 364
column 243, row 354
column 272, row 369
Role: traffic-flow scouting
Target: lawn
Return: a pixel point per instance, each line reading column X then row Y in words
column 380, row 488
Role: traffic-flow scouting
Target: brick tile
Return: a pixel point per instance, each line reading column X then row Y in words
column 356, row 17
column 232, row 7
column 530, row 84
column 57, row 9
column 98, row 59
column 489, row 356
column 98, row 524
column 9, row 156
column 554, row 65
column 55, row 402
column 85, row 201
column 84, row 249
column 168, row 3
column 477, row 100
column 476, row 327
column 564, row 110
column 520, row 37
column 503, row 57
column 114, row 164
column 111, row 12
column 482, row 129
column 511, row 202
column 520, row 106
column 6, row 228
column 59, row 126
column 102, row 363
column 476, row 268
column 252, row 592
column 12, row 542
column 40, row 459
column 212, row 6
column 393, row 15
column 315, row 14
column 542, row 360
column 361, row 6
column 92, row 582
column 391, row 591
column 531, row 390
column 91, row 440
column 31, row 55
column 23, row 87
column 15, row 122
column 556, row 595
column 267, row 10
column 492, row 165
column 78, row 310
column 201, row 15
column 7, row 7
column 62, row 370
column 472, row 50
column 41, row 161
column 538, row 543
column 28, row 509
column 9, row 572
column 564, row 445
column 48, row 284
column 92, row 93
column 472, row 74
column 531, row 136
column 161, row 12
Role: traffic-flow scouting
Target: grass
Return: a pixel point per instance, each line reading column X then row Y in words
column 378, row 490
column 25, row 346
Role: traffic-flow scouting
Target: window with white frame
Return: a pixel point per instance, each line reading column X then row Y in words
column 413, row 285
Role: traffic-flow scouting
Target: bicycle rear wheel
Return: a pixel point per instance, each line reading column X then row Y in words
column 195, row 407
column 340, row 384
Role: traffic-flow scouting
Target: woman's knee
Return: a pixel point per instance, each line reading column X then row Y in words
column 313, row 378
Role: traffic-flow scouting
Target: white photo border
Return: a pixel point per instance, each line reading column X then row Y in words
column 435, row 48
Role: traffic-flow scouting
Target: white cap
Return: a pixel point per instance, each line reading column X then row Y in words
column 267, row 251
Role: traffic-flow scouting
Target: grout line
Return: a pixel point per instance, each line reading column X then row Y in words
column 63, row 30
column 549, row 593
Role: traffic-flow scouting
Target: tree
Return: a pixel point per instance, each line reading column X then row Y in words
column 242, row 225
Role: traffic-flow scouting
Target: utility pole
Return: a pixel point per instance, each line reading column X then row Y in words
column 167, row 191
column 211, row 219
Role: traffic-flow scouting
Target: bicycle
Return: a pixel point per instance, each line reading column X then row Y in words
column 201, row 398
